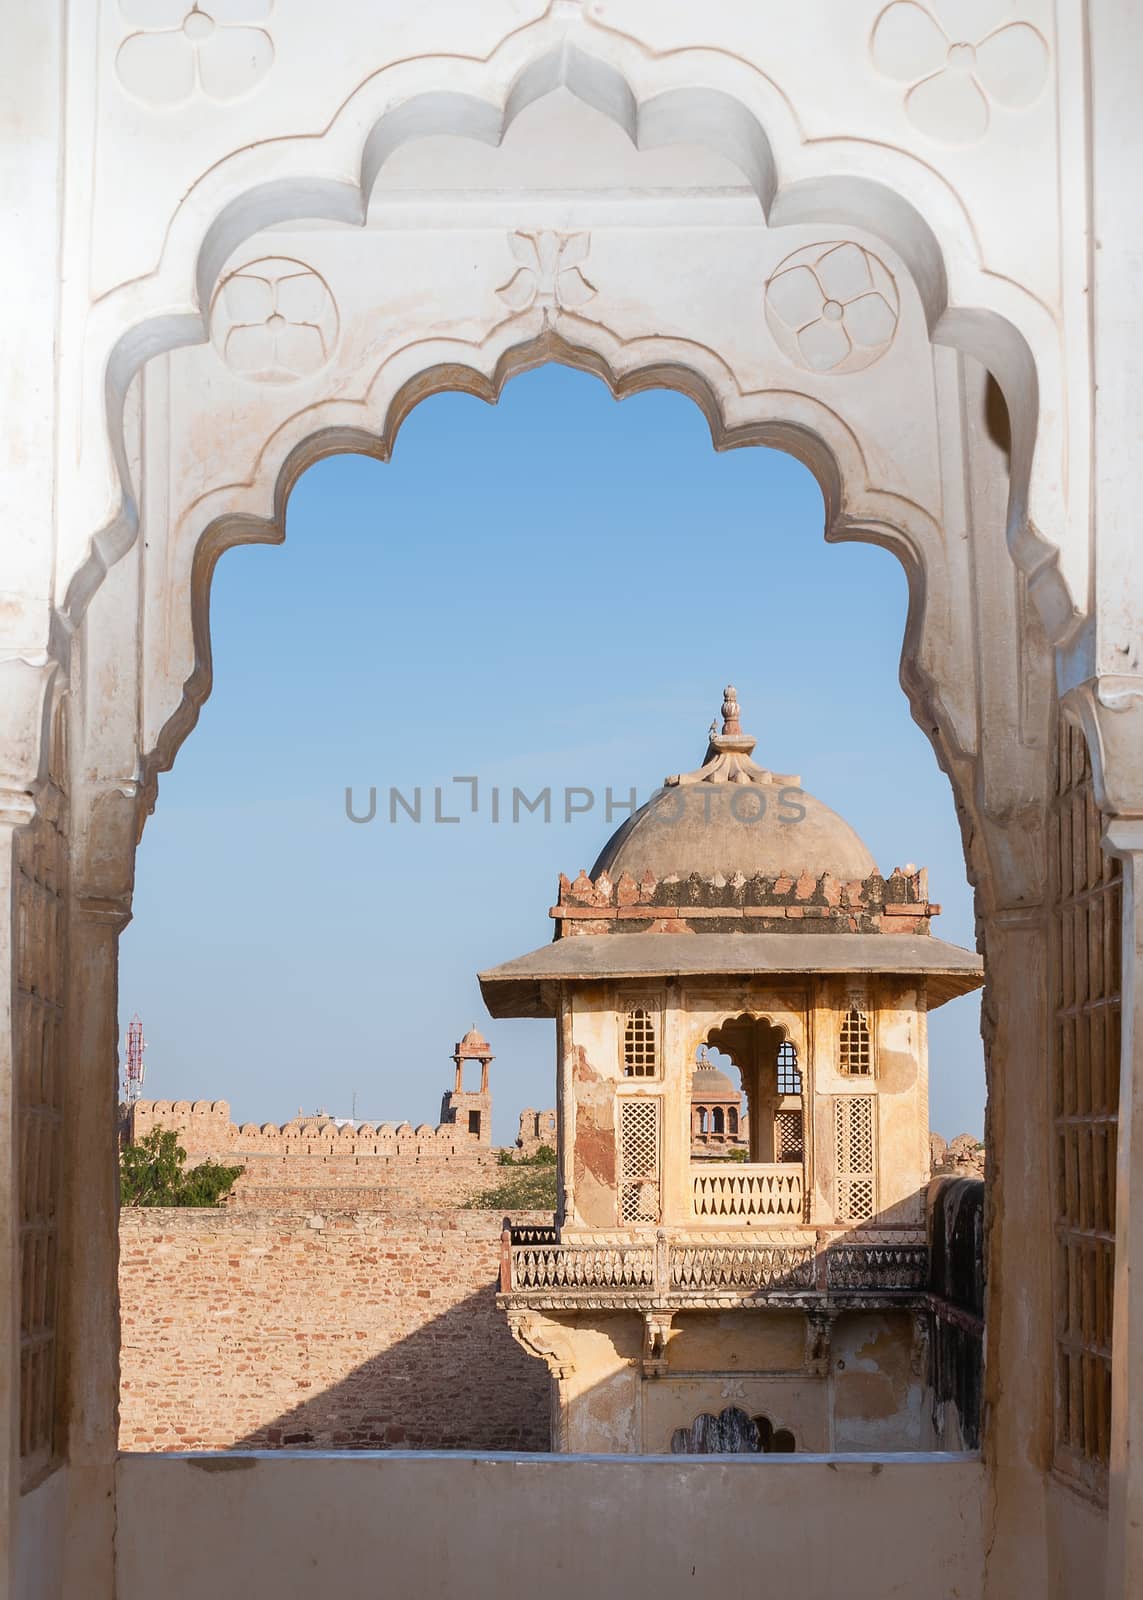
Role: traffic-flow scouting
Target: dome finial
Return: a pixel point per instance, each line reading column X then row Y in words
column 731, row 726
column 727, row 759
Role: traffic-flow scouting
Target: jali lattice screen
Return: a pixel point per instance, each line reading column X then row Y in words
column 788, row 1143
column 639, row 1199
column 853, row 1148
column 1086, row 889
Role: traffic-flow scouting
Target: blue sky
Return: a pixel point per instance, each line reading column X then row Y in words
column 550, row 592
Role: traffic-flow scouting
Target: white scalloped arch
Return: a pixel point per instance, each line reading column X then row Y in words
column 856, row 510
column 657, row 100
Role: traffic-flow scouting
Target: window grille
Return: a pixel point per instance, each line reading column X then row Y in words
column 856, row 1056
column 639, row 1160
column 639, row 1055
column 788, row 1138
column 40, row 857
column 789, row 1074
column 853, row 1141
column 1086, row 889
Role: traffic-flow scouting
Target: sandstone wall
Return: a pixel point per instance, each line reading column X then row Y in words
column 351, row 1330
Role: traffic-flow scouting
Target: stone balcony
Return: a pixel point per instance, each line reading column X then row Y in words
column 794, row 1265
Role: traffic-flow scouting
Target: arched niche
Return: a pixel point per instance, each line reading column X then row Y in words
column 752, row 1042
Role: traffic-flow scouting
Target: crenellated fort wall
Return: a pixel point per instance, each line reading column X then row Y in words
column 401, row 1164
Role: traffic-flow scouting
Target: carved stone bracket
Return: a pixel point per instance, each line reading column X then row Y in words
column 919, row 1351
column 657, row 1332
column 544, row 1339
column 1110, row 711
column 819, row 1334
column 113, row 913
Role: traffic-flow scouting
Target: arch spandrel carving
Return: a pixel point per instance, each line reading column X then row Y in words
column 613, row 56
column 691, row 94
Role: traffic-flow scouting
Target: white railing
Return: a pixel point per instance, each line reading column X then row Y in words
column 737, row 1191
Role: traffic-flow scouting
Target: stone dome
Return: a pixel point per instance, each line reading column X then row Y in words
column 474, row 1044
column 711, row 1083
column 732, row 816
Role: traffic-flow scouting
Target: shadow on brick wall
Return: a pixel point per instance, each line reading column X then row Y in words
column 460, row 1382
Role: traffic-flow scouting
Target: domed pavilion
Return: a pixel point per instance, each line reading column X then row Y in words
column 735, row 912
column 718, row 1122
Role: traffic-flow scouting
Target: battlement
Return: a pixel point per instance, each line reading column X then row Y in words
column 205, row 1129
column 324, row 1162
column 387, row 1163
column 897, row 904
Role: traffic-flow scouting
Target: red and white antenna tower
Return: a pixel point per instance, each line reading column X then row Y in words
column 134, row 1070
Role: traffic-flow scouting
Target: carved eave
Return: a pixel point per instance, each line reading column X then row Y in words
column 714, row 1300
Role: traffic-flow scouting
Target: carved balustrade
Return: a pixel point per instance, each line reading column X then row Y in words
column 574, row 1266
column 737, row 1191
column 793, row 1264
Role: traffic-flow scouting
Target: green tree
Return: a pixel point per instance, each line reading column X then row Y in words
column 152, row 1173
column 529, row 1185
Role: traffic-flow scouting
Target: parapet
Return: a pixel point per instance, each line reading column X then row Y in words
column 897, row 904
column 193, row 1120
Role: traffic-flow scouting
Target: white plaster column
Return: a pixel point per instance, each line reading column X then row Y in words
column 565, row 1111
column 1018, row 1306
column 90, row 1303
column 103, row 760
column 999, row 766
column 32, row 86
column 25, row 705
column 15, row 810
column 676, row 1072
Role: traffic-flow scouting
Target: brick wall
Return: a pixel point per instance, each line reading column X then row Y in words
column 336, row 1330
